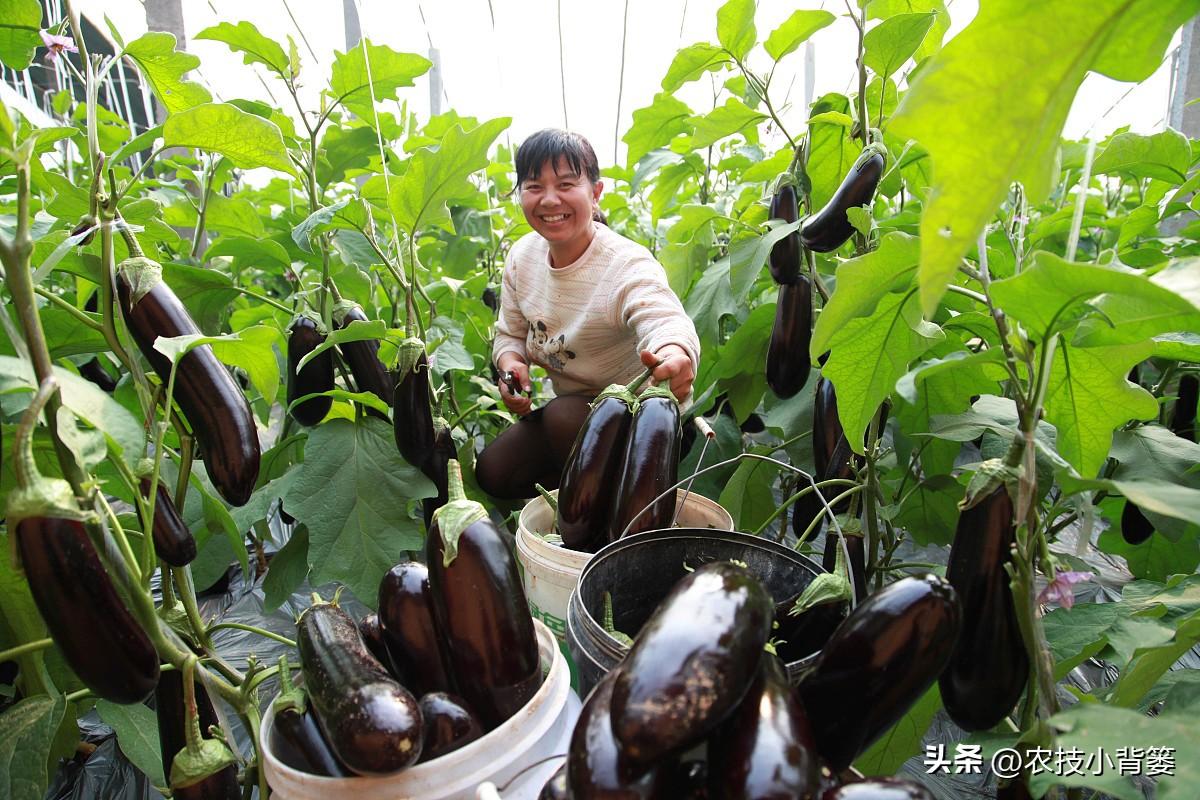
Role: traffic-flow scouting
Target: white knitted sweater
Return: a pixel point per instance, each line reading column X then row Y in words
column 586, row 322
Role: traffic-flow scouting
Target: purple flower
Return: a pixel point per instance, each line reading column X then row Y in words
column 1059, row 590
column 57, row 44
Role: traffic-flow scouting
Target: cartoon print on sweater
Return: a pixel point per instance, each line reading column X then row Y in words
column 551, row 351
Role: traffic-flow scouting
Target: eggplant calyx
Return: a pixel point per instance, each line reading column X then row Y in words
column 617, row 390
column 200, row 758
column 143, row 274
column 291, row 697
column 991, row 474
column 657, row 391
column 408, row 353
column 37, row 495
column 458, row 514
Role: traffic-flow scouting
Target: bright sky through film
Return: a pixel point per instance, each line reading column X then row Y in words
column 512, row 67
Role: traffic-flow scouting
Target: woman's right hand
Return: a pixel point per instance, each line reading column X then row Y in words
column 519, row 404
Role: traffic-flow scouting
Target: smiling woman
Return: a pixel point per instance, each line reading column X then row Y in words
column 581, row 301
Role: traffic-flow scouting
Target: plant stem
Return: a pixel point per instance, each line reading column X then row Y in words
column 81, row 317
column 187, row 593
column 22, row 649
column 807, row 490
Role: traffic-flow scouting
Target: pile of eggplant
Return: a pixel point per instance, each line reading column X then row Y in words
column 625, row 456
column 454, row 632
column 700, row 708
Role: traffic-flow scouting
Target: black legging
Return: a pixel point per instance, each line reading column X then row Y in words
column 534, row 450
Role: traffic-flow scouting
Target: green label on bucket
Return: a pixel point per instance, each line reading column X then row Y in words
column 559, row 628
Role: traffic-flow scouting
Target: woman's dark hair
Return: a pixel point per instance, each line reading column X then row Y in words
column 550, row 145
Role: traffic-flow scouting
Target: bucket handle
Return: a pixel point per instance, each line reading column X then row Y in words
column 709, row 436
column 494, row 795
column 734, row 460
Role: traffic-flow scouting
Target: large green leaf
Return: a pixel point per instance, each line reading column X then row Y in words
column 1119, row 733
column 352, row 491
column 710, row 299
column 1157, row 558
column 747, row 256
column 65, row 334
column 1165, row 155
column 655, row 126
column 1044, row 294
column 1157, row 496
column 136, row 727
column 288, row 569
column 869, row 354
column 1007, row 113
column 747, row 496
column 892, row 42
column 1089, row 396
column 689, row 64
column 164, row 68
column 389, row 70
column 258, row 252
column 733, row 117
column 20, row 21
column 735, row 27
column 862, row 282
column 245, row 139
column 207, row 293
column 1136, row 315
column 1152, row 452
column 344, row 149
column 1152, row 660
column 244, row 38
column 418, row 198
column 86, row 400
column 795, row 31
column 882, row 9
column 26, row 734
column 929, row 512
column 831, row 150
column 234, row 215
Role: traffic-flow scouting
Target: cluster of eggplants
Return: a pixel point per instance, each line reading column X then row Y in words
column 211, row 400
column 625, row 455
column 698, row 673
column 455, row 632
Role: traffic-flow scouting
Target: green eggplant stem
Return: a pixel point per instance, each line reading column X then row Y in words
column 645, row 376
column 454, row 481
column 26, row 467
column 24, row 649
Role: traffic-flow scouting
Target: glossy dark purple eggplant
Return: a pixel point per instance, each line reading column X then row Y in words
column 597, row 767
column 297, row 741
column 879, row 662
column 788, row 361
column 1183, row 414
column 651, row 466
column 448, row 724
column 784, row 262
column 765, row 749
column 372, row 635
column 435, row 469
column 209, row 397
column 801, row 635
column 94, row 372
column 169, row 707
column 99, row 638
column 692, row 661
column 686, row 780
column 372, row 723
column 990, row 666
column 370, row 375
column 591, row 474
column 480, row 607
column 173, row 542
column 412, row 416
column 880, row 789
column 830, row 227
column 316, row 376
column 1135, row 527
column 406, row 619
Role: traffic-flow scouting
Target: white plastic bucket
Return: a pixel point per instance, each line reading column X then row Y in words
column 537, row 732
column 550, row 571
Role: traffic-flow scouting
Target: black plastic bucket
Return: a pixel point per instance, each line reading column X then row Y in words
column 639, row 571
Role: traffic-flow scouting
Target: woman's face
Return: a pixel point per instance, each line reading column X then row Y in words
column 558, row 205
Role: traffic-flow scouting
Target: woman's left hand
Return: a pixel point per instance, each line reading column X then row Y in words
column 674, row 367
